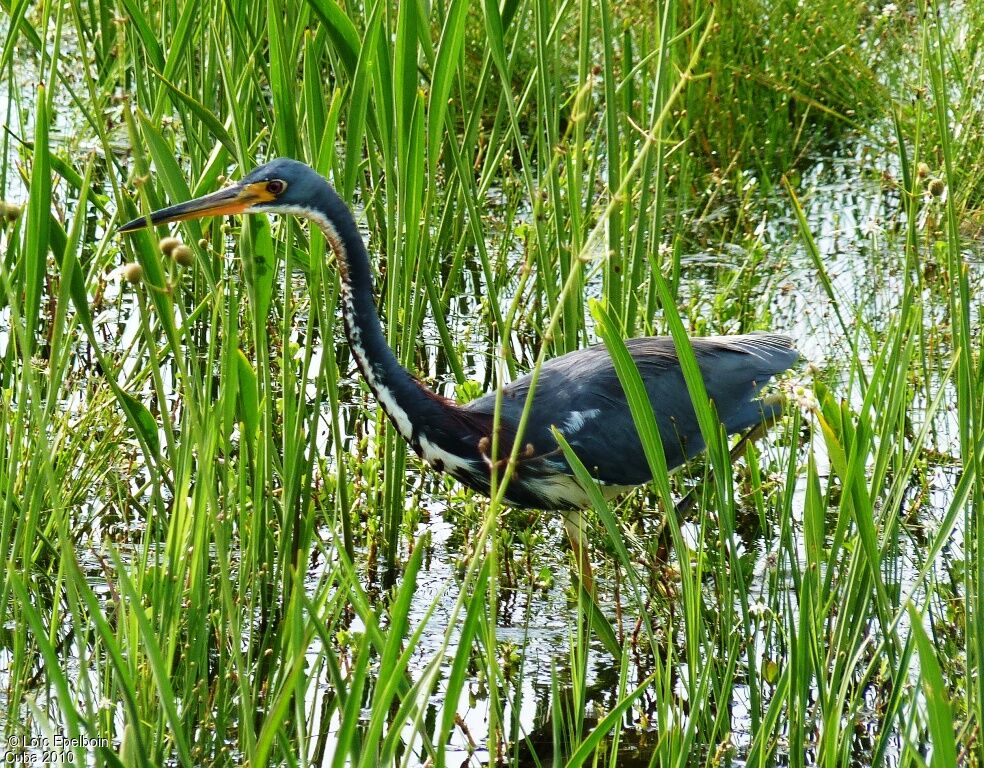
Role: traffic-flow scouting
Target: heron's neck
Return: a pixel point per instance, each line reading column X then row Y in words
column 405, row 400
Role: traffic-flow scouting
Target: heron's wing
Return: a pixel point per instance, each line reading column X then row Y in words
column 579, row 393
column 735, row 370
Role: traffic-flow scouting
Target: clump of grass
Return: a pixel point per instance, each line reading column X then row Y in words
column 964, row 64
column 778, row 80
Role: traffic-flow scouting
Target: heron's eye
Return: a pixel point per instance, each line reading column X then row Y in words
column 276, row 186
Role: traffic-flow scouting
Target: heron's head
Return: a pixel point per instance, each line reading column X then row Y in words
column 281, row 186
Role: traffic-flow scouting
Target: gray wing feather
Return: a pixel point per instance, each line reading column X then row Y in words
column 580, row 394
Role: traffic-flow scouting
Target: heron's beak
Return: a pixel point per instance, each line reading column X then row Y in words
column 232, row 200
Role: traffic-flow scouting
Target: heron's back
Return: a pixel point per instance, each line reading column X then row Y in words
column 579, row 393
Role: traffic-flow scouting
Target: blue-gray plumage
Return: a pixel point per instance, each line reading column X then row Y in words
column 581, row 395
column 578, row 393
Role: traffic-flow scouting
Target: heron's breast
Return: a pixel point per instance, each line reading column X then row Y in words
column 565, row 492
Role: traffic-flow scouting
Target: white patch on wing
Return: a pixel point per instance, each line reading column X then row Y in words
column 434, row 455
column 577, row 419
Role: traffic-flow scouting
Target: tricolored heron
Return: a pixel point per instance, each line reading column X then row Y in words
column 578, row 393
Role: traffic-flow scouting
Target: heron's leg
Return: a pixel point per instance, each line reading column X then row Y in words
column 577, row 534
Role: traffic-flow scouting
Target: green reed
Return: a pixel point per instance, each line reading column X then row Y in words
column 195, row 498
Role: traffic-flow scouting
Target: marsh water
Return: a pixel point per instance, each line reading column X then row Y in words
column 856, row 219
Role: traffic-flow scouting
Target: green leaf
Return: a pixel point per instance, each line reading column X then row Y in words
column 203, row 113
column 939, row 713
column 143, row 423
column 600, row 732
column 598, row 620
column 249, row 405
column 358, row 106
column 148, row 37
column 448, row 54
column 282, row 86
column 16, row 24
column 260, row 264
column 341, row 30
column 459, row 668
column 159, row 666
column 38, row 216
column 637, row 398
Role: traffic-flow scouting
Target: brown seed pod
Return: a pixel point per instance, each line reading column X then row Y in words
column 182, row 255
column 168, row 244
column 9, row 211
column 133, row 273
